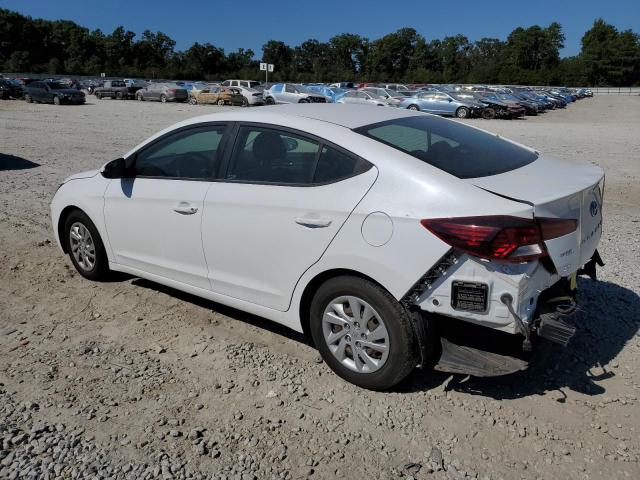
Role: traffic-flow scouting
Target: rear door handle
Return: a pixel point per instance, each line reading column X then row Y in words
column 185, row 208
column 311, row 222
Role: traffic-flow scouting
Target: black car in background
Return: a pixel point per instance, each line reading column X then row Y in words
column 48, row 91
column 10, row 89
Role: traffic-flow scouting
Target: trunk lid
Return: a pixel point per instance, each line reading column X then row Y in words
column 557, row 189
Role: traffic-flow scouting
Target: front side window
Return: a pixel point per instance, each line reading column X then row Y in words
column 289, row 88
column 190, row 154
column 450, row 146
column 272, row 156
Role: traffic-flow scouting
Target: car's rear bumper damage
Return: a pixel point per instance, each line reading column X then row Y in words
column 527, row 299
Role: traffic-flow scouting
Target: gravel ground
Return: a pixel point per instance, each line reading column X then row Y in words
column 128, row 379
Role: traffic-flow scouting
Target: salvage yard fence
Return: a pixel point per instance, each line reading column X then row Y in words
column 616, row 90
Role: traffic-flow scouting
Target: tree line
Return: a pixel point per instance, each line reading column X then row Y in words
column 531, row 56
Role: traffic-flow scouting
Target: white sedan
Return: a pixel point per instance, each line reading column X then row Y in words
column 364, row 227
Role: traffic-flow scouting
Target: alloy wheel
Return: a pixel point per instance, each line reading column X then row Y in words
column 82, row 246
column 355, row 334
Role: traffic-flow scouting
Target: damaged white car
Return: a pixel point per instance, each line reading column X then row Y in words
column 363, row 227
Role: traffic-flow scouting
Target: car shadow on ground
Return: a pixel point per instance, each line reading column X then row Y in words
column 11, row 162
column 610, row 317
column 230, row 312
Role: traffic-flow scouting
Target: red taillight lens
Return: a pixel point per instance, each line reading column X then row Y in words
column 499, row 237
column 172, row 90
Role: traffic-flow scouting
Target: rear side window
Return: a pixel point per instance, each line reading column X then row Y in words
column 265, row 155
column 450, row 146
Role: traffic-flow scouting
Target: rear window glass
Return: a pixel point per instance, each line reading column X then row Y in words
column 450, row 146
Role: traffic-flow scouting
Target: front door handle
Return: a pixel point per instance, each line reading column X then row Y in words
column 311, row 222
column 184, row 208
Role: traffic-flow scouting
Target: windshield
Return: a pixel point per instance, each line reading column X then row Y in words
column 508, row 96
column 450, row 146
column 56, row 85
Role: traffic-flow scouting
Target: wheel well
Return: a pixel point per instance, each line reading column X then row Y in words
column 61, row 221
column 312, row 287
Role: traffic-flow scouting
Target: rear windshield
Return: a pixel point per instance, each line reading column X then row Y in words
column 450, row 146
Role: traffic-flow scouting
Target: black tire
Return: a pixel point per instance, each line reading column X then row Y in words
column 28, row 99
column 221, row 103
column 403, row 346
column 488, row 113
column 463, row 112
column 100, row 269
column 56, row 100
column 245, row 102
column 139, row 97
column 98, row 95
column 193, row 101
column 269, row 101
column 119, row 96
column 413, row 106
column 163, row 98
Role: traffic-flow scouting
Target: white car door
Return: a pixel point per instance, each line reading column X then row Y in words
column 282, row 200
column 153, row 219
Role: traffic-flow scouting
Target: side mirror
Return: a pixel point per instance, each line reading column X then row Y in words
column 115, row 169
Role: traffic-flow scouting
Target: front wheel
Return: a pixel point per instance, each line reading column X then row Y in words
column 363, row 333
column 193, row 101
column 85, row 246
column 413, row 107
column 28, row 98
column 163, row 98
column 269, row 101
column 220, row 103
column 488, row 113
column 462, row 112
column 56, row 100
column 98, row 95
column 140, row 98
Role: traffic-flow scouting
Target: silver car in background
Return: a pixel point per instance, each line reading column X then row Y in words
column 362, row 97
column 441, row 103
column 163, row 92
column 392, row 97
column 291, row 93
column 251, row 95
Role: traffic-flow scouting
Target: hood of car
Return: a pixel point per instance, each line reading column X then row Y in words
column 85, row 174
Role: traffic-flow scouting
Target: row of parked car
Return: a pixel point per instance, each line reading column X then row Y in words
column 462, row 101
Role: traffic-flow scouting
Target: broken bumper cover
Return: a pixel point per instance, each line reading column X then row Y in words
column 512, row 298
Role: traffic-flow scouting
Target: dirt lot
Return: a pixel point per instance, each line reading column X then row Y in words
column 129, row 379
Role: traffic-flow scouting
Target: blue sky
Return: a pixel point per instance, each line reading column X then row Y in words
column 249, row 24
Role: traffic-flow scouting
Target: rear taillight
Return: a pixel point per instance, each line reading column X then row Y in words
column 172, row 90
column 499, row 237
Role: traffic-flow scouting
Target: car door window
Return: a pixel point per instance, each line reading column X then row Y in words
column 289, row 89
column 272, row 156
column 190, row 154
column 334, row 165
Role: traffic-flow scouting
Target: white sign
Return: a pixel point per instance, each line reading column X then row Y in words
column 271, row 67
column 103, row 75
column 263, row 66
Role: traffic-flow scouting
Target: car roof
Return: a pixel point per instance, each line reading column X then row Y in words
column 348, row 116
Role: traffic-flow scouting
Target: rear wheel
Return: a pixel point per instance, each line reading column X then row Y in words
column 413, row 106
column 193, row 101
column 85, row 246
column 56, row 100
column 363, row 333
column 28, row 98
column 488, row 113
column 139, row 97
column 245, row 102
column 119, row 95
column 98, row 95
column 462, row 112
column 163, row 98
column 220, row 102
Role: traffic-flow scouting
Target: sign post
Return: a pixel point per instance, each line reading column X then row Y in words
column 267, row 67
